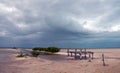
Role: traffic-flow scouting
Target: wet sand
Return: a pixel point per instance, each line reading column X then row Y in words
column 59, row 63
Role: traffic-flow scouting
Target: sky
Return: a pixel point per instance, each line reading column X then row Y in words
column 61, row 23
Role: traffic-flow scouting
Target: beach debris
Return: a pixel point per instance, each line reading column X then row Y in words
column 21, row 54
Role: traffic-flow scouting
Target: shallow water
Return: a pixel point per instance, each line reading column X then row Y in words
column 4, row 57
column 4, row 54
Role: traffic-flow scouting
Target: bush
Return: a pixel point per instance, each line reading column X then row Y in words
column 39, row 49
column 42, row 49
column 14, row 47
column 35, row 53
column 52, row 49
column 35, row 49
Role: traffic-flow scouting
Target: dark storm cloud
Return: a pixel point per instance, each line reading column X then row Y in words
column 63, row 23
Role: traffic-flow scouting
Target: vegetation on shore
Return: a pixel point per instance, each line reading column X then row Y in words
column 40, row 50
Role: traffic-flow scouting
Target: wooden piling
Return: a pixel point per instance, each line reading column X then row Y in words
column 103, row 59
column 81, row 50
column 89, row 58
column 75, row 53
column 68, row 52
column 71, row 54
column 92, row 54
column 85, row 53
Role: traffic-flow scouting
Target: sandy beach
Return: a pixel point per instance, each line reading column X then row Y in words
column 59, row 63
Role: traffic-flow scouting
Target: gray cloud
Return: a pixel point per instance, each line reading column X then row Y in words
column 80, row 23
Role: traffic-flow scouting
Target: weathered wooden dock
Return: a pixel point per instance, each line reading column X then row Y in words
column 80, row 54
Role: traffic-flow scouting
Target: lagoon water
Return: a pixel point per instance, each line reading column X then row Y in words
column 3, row 57
column 4, row 54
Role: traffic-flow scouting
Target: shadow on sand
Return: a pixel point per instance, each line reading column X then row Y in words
column 54, row 57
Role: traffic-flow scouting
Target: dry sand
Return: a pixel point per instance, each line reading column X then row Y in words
column 59, row 63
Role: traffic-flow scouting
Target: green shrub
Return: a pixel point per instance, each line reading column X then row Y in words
column 52, row 49
column 42, row 49
column 35, row 49
column 35, row 53
column 14, row 47
column 39, row 49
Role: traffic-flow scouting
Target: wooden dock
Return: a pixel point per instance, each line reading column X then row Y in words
column 81, row 54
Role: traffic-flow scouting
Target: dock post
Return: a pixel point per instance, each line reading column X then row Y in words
column 103, row 59
column 92, row 54
column 71, row 54
column 81, row 50
column 68, row 52
column 75, row 53
column 89, row 58
column 85, row 53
